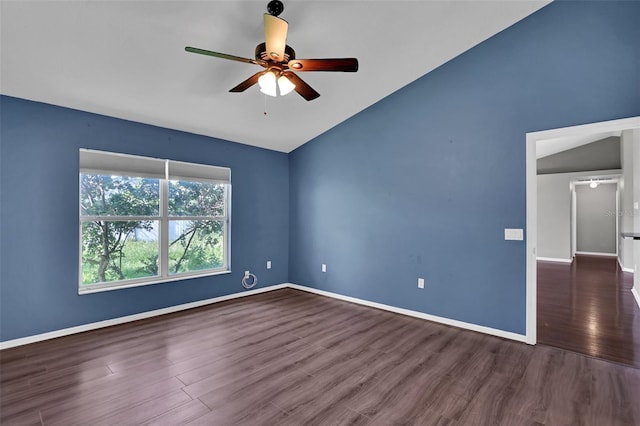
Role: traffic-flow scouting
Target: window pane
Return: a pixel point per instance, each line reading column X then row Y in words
column 195, row 245
column 195, row 198
column 104, row 195
column 119, row 250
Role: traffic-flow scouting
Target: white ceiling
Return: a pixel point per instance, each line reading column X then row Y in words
column 126, row 59
column 547, row 147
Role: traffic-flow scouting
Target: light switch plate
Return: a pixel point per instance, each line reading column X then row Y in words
column 513, row 234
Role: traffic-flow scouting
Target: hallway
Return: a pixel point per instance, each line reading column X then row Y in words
column 587, row 307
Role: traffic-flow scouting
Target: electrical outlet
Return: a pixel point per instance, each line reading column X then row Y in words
column 420, row 282
column 324, row 267
column 268, row 264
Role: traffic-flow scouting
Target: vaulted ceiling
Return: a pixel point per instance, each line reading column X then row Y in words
column 126, row 59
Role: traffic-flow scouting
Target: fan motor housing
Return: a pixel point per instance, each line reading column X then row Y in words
column 261, row 53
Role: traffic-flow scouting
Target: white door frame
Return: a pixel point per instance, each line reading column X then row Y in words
column 574, row 225
column 532, row 201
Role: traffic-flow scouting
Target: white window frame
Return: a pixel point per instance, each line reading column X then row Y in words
column 102, row 162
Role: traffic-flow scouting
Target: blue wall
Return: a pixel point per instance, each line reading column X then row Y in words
column 39, row 215
column 420, row 184
column 423, row 183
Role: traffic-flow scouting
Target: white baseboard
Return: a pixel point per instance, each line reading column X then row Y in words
column 554, row 259
column 142, row 315
column 623, row 268
column 121, row 320
column 591, row 253
column 636, row 295
column 416, row 314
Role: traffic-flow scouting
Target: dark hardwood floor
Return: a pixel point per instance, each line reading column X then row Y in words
column 292, row 358
column 587, row 307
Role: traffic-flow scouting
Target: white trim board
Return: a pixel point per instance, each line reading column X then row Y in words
column 129, row 318
column 636, row 295
column 416, row 314
column 532, row 199
column 623, row 268
column 593, row 253
column 554, row 259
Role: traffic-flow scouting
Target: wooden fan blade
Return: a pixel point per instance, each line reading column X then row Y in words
column 224, row 56
column 275, row 36
column 247, row 83
column 302, row 88
column 336, row 64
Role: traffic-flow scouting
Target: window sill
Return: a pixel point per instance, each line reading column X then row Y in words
column 108, row 287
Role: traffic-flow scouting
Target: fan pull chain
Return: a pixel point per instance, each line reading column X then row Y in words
column 265, row 104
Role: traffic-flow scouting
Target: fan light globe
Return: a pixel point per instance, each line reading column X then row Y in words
column 285, row 85
column 267, row 82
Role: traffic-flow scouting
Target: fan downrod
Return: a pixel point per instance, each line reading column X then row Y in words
column 275, row 7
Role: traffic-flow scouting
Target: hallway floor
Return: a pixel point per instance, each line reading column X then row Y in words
column 587, row 307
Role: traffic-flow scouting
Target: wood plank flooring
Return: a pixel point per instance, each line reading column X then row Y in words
column 587, row 307
column 292, row 358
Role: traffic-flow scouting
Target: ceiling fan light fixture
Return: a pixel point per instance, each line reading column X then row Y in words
column 279, row 60
column 267, row 83
column 593, row 185
column 285, row 85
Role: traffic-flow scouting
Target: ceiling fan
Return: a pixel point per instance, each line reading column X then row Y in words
column 280, row 61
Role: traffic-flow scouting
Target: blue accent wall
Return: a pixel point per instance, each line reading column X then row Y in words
column 423, row 183
column 39, row 215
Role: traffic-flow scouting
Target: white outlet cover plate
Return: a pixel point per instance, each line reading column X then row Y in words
column 513, row 234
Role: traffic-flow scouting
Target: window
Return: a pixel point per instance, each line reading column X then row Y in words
column 145, row 220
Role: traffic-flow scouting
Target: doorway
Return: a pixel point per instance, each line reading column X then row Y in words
column 594, row 216
column 532, row 205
